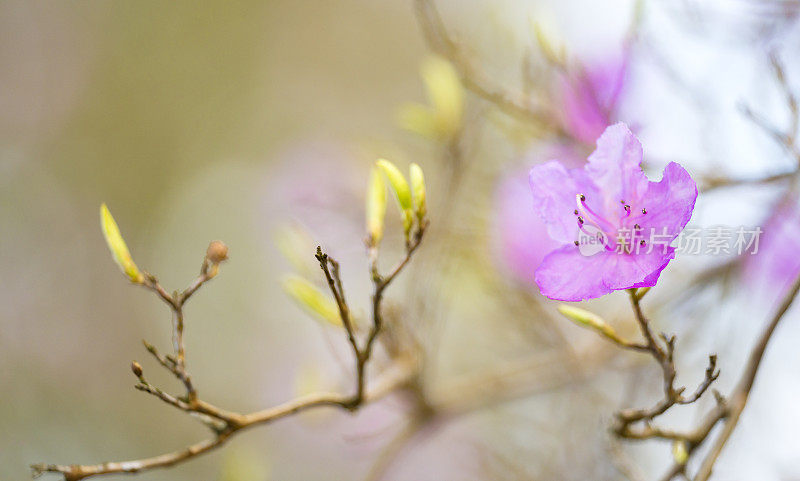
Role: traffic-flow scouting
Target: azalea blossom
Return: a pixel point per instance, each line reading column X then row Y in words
column 771, row 272
column 611, row 202
column 590, row 98
column 519, row 234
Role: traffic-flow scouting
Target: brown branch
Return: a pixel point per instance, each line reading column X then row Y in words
column 741, row 393
column 394, row 378
column 663, row 353
column 726, row 411
column 225, row 424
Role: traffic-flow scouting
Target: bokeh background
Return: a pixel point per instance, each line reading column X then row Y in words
column 231, row 120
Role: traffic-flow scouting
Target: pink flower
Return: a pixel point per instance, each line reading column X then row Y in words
column 772, row 269
column 520, row 234
column 590, row 98
column 611, row 202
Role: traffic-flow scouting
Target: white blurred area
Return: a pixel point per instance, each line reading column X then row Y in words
column 229, row 120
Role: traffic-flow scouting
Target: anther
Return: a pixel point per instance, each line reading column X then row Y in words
column 622, row 201
column 642, row 242
column 582, row 197
column 644, row 211
column 576, row 212
column 637, row 226
column 577, row 243
column 580, row 220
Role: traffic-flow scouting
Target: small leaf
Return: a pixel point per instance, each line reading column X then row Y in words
column 376, row 206
column 312, row 299
column 117, row 246
column 418, row 191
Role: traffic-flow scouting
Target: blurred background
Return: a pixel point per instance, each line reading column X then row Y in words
column 239, row 120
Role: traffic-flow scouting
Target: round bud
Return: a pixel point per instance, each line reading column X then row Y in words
column 136, row 368
column 217, row 252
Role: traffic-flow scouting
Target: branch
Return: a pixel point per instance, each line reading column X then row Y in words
column 740, row 394
column 394, row 378
column 662, row 350
column 224, row 424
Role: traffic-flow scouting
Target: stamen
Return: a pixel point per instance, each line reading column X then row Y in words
column 592, row 216
column 627, row 210
column 601, row 236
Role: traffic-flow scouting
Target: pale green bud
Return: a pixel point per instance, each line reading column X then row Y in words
column 376, row 207
column 680, row 452
column 588, row 319
column 117, row 246
column 401, row 191
column 418, row 191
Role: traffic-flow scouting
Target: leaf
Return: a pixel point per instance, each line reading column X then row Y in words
column 117, row 246
column 312, row 299
column 418, row 190
column 401, row 191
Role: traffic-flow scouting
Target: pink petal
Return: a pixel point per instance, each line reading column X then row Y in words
column 554, row 189
column 669, row 202
column 615, row 167
column 567, row 275
column 520, row 234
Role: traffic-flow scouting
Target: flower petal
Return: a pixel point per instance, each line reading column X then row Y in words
column 554, row 189
column 567, row 275
column 615, row 167
column 669, row 202
column 639, row 270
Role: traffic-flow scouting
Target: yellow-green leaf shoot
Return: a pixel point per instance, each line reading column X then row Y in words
column 446, row 94
column 401, row 191
column 376, row 206
column 588, row 319
column 117, row 246
column 418, row 190
column 312, row 299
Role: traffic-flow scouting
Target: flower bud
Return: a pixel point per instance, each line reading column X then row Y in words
column 588, row 319
column 418, row 191
column 401, row 191
column 680, row 452
column 216, row 252
column 116, row 244
column 137, row 369
column 376, row 207
column 310, row 298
